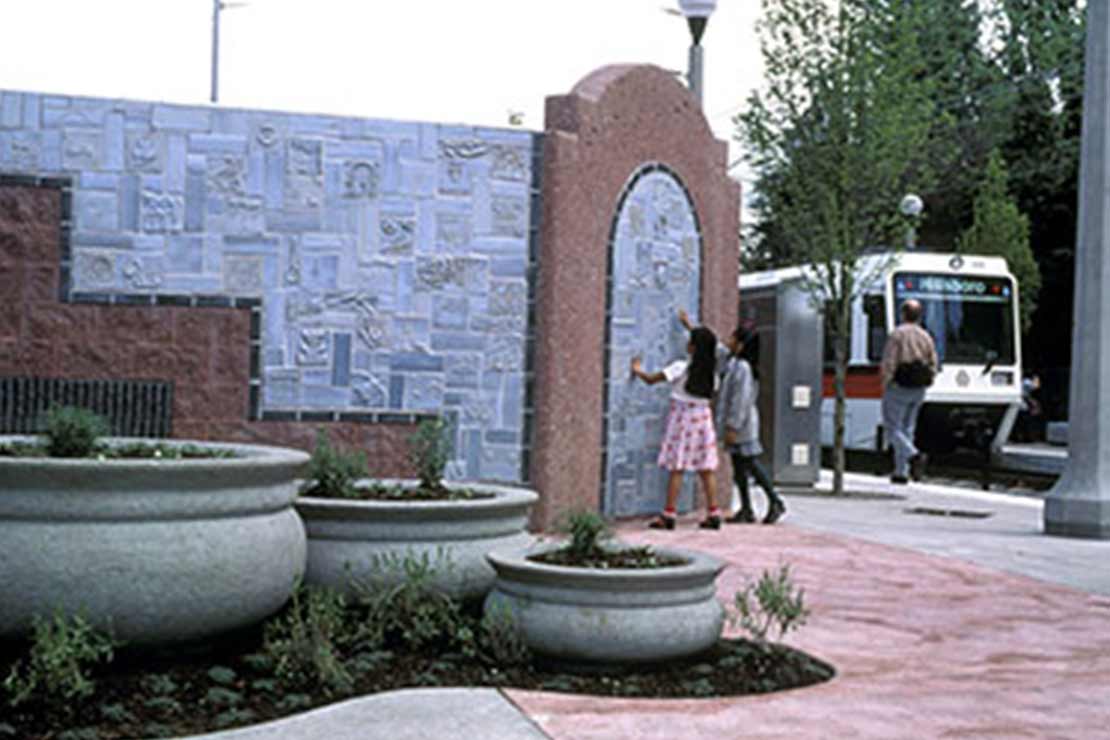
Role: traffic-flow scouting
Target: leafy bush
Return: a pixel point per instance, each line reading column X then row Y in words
column 584, row 528
column 73, row 432
column 772, row 602
column 332, row 473
column 429, row 450
column 62, row 651
column 501, row 640
column 409, row 611
column 304, row 642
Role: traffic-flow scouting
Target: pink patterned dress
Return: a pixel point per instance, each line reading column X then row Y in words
column 689, row 438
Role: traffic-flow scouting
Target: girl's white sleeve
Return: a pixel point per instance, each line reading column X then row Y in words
column 675, row 370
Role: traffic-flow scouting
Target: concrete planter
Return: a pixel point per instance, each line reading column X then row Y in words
column 162, row 550
column 591, row 615
column 348, row 541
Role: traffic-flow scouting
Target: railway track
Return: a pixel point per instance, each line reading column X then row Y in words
column 961, row 469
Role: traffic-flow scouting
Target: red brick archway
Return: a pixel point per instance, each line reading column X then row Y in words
column 612, row 122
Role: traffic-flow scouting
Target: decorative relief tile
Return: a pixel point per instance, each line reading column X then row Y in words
column 463, row 148
column 313, row 347
column 509, row 216
column 369, row 391
column 508, row 299
column 452, row 232
column 455, row 177
column 304, row 157
column 509, row 163
column 244, row 274
column 267, row 134
column 144, row 273
column 373, row 331
column 398, row 234
column 161, row 212
column 361, row 180
column 227, row 174
column 94, row 270
column 24, row 150
column 506, row 354
column 81, row 150
column 438, row 273
column 144, row 151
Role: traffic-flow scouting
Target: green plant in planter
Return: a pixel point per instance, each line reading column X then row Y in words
column 333, row 473
column 73, row 432
column 430, row 449
column 56, row 671
column 774, row 601
column 584, row 528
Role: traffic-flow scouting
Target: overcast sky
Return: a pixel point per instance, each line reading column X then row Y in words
column 457, row 61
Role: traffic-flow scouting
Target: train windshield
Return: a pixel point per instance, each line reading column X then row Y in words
column 970, row 317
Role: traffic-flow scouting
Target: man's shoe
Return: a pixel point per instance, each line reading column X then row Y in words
column 744, row 516
column 917, row 465
column 776, row 511
column 711, row 522
column 662, row 522
column 900, row 480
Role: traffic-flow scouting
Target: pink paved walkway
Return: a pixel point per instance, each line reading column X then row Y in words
column 924, row 646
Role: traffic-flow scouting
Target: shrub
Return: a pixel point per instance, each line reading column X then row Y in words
column 410, row 612
column 429, row 450
column 73, row 432
column 584, row 528
column 332, row 473
column 773, row 601
column 501, row 640
column 62, row 651
column 303, row 643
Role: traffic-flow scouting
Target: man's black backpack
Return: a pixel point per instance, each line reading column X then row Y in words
column 914, row 374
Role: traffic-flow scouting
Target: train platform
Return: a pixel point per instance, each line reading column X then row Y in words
column 946, row 612
column 1041, row 458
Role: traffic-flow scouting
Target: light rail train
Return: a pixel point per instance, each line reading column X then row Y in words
column 970, row 308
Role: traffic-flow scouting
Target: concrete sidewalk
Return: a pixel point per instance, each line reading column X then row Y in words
column 938, row 626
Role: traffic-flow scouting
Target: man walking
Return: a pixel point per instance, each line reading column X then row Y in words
column 908, row 367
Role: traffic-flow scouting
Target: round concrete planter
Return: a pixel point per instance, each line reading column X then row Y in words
column 351, row 544
column 159, row 550
column 614, row 616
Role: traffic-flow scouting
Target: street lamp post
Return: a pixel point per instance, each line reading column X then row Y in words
column 697, row 14
column 1079, row 504
column 911, row 207
column 217, row 6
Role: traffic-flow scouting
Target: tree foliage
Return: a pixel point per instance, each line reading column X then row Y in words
column 836, row 138
column 999, row 228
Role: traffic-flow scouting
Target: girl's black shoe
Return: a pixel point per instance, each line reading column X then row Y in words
column 776, row 511
column 712, row 522
column 662, row 522
column 744, row 516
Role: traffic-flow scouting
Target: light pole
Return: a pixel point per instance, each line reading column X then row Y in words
column 1079, row 503
column 217, row 6
column 697, row 14
column 911, row 207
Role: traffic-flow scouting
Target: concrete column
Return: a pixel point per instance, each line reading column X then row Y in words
column 1079, row 504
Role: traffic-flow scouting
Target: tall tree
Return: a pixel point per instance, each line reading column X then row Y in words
column 836, row 138
column 1041, row 45
column 999, row 228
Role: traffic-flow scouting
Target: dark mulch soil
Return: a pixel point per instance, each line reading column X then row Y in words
column 177, row 692
column 631, row 558
column 132, row 451
column 381, row 492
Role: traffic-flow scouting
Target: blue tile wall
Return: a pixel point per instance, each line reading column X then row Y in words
column 391, row 258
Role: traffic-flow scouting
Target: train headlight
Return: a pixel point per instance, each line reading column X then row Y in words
column 1002, row 377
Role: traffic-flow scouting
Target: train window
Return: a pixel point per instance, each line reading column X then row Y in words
column 874, row 307
column 829, row 351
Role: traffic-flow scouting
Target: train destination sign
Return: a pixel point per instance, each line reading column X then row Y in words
column 926, row 286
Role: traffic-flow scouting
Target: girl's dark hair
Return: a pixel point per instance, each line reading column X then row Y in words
column 702, row 369
column 749, row 338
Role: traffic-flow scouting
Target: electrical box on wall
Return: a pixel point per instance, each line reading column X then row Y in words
column 790, row 387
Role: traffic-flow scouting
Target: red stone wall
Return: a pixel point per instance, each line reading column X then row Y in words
column 613, row 122
column 204, row 351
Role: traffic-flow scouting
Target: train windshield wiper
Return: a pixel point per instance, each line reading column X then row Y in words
column 991, row 357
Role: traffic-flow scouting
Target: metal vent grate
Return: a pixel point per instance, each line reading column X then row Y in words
column 134, row 408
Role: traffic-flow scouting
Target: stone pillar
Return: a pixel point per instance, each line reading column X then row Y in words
column 1079, row 504
column 597, row 137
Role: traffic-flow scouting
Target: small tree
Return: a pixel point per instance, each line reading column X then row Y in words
column 999, row 228
column 836, row 140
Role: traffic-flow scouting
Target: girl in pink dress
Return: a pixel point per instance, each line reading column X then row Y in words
column 689, row 440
